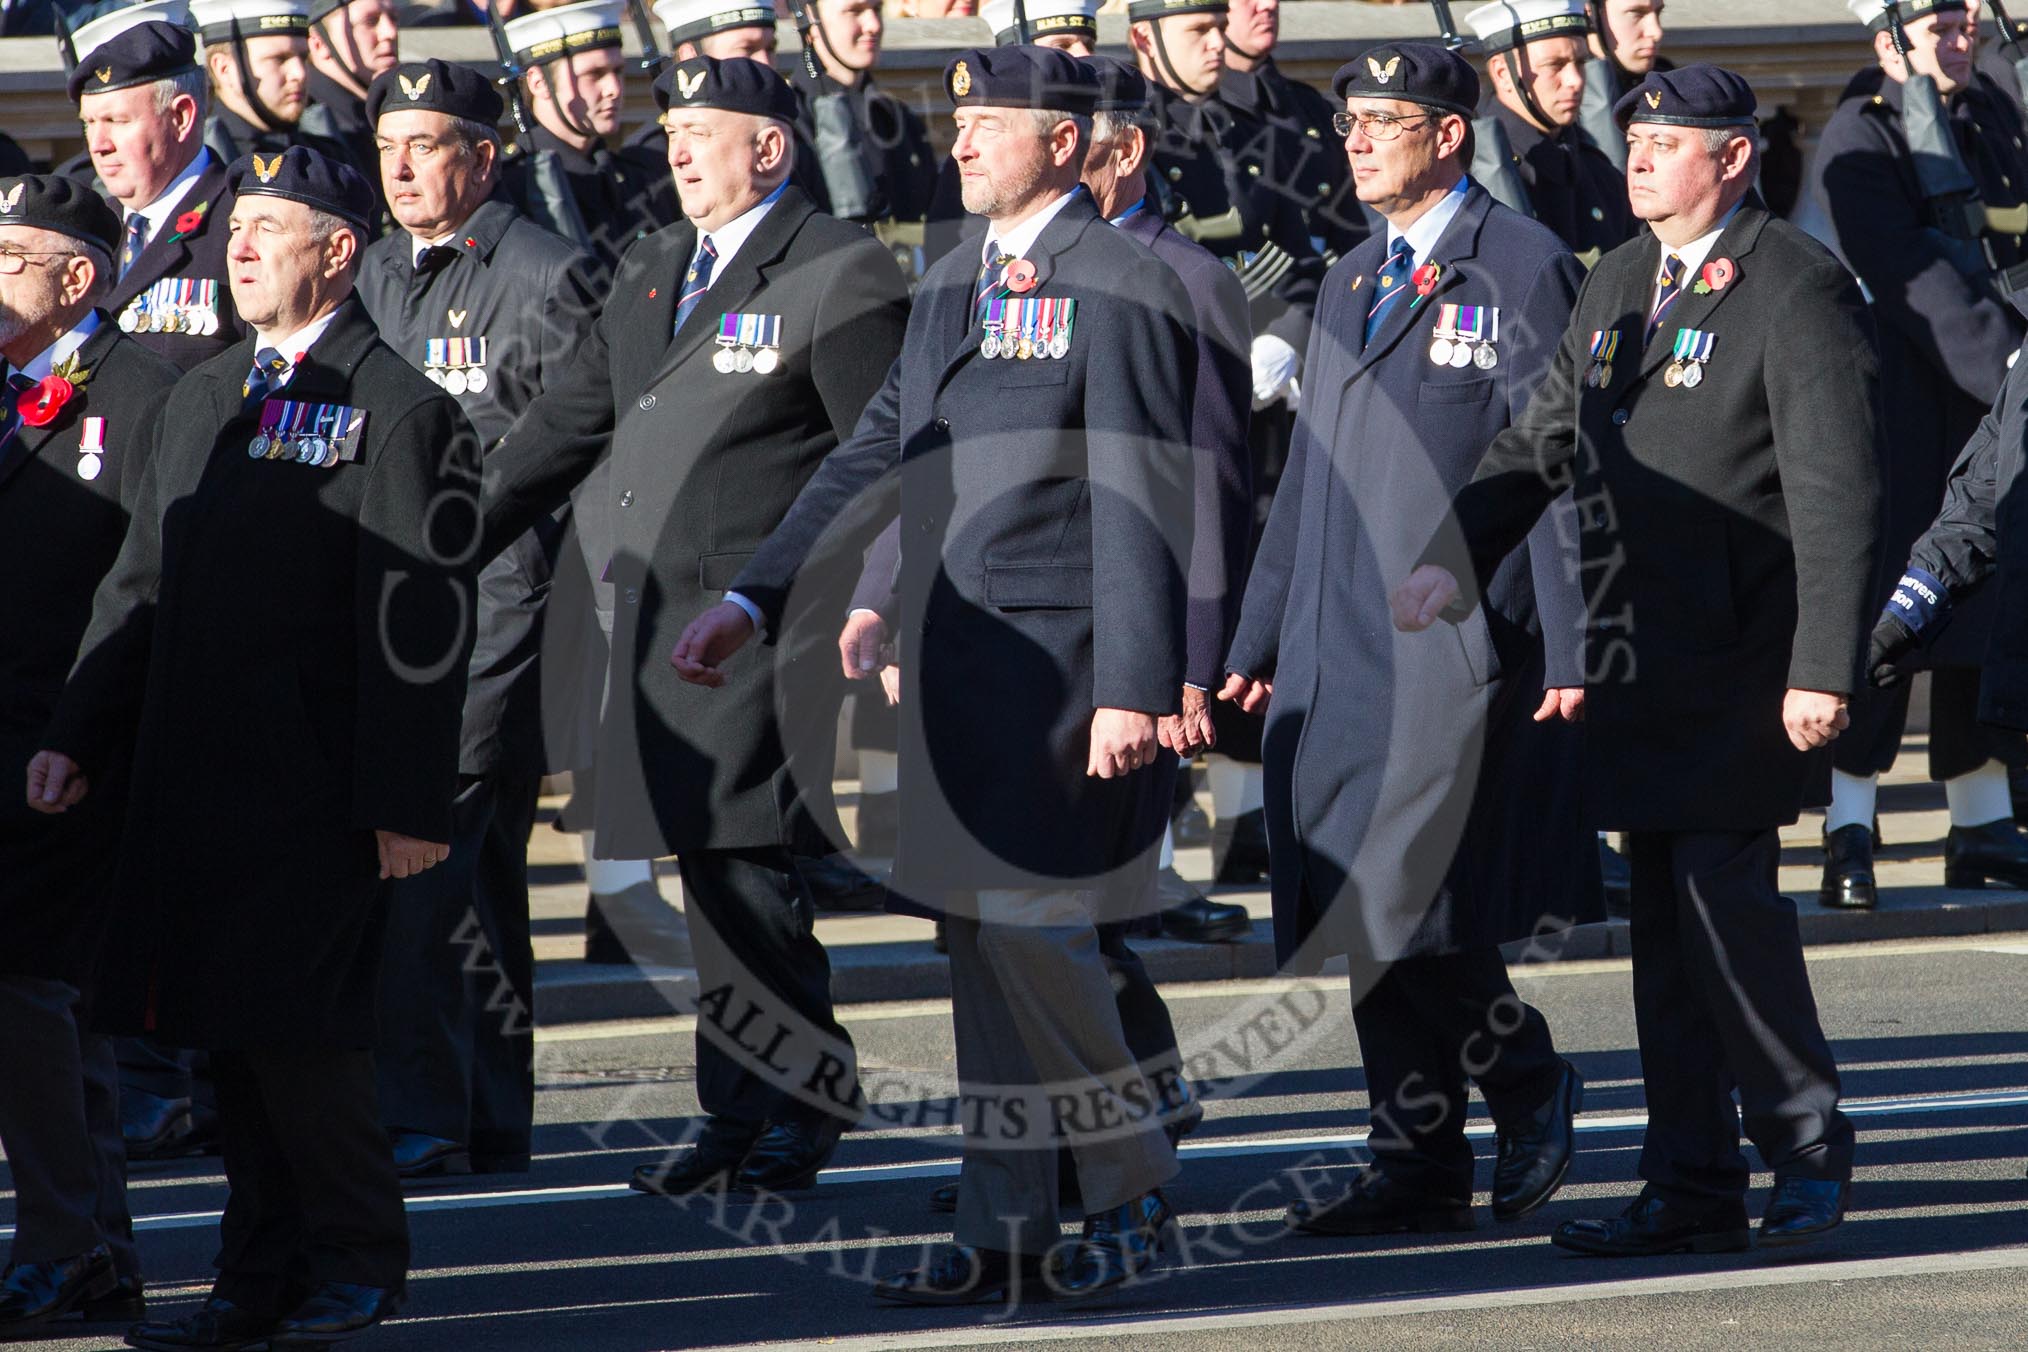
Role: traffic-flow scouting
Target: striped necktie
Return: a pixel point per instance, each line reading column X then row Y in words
column 265, row 378
column 137, row 240
column 696, row 282
column 991, row 274
column 1669, row 286
column 1394, row 275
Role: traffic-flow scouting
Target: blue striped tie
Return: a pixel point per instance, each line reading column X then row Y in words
column 696, row 282
column 1394, row 275
column 991, row 275
column 1670, row 288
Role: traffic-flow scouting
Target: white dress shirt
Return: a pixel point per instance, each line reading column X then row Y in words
column 295, row 346
column 63, row 348
column 1693, row 255
column 1428, row 228
column 163, row 209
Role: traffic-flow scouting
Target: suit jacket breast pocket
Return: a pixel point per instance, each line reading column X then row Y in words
column 1038, row 586
column 715, row 572
column 1050, row 371
column 1456, row 391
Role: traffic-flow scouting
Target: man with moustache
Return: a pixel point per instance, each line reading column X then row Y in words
column 736, row 350
column 257, row 53
column 1046, row 509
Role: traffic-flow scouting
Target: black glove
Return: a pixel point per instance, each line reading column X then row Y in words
column 1892, row 643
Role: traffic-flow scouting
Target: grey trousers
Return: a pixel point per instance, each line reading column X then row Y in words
column 60, row 1125
column 1043, row 1062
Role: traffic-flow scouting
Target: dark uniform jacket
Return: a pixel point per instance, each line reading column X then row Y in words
column 1946, row 331
column 621, row 198
column 1212, row 164
column 893, row 144
column 1728, row 529
column 1413, row 805
column 338, row 115
column 173, row 254
column 1308, row 162
column 283, row 646
column 1045, row 516
column 230, row 136
column 528, row 297
column 59, row 533
column 704, row 463
column 1572, row 187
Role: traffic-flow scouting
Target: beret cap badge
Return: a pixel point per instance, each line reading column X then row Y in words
column 266, row 172
column 961, row 80
column 105, row 74
column 1654, row 98
column 689, row 82
column 11, row 199
column 1380, row 72
column 415, row 88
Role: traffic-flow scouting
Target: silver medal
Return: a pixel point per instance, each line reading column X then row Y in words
column 989, row 346
column 130, row 319
column 436, row 376
column 1059, row 346
column 88, row 467
column 765, row 361
column 723, row 361
column 1461, row 355
column 475, row 380
column 1440, row 352
column 257, row 449
column 1484, row 357
column 454, row 381
column 1693, row 374
column 742, row 361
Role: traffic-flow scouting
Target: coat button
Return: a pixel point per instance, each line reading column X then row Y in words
column 627, row 498
column 1620, row 417
column 1253, row 169
column 925, row 526
column 633, row 596
column 647, row 402
column 942, row 424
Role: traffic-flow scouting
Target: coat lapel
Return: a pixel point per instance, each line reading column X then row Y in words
column 1063, row 231
column 169, row 252
column 734, row 284
column 27, row 442
column 1693, row 310
column 1458, row 244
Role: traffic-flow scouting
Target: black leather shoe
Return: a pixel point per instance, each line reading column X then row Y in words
column 1653, row 1225
column 1848, row 870
column 710, row 1163
column 1996, row 852
column 1239, row 849
column 157, row 1128
column 419, row 1155
column 1533, row 1161
column 35, row 1293
column 1118, row 1246
column 1194, row 918
column 217, row 1326
column 334, row 1312
column 1617, row 876
column 1377, row 1204
column 963, row 1275
column 789, row 1155
column 837, row 884
column 126, row 1303
column 1191, row 826
column 1803, row 1208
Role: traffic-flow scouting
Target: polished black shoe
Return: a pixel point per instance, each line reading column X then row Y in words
column 1377, row 1204
column 963, row 1275
column 710, row 1163
column 838, row 885
column 1239, row 849
column 1532, row 1161
column 1616, row 875
column 157, row 1128
column 217, row 1326
column 1848, row 870
column 790, row 1155
column 1119, row 1244
column 126, row 1303
column 1996, row 852
column 1194, row 918
column 334, row 1312
column 418, row 1154
column 1803, row 1208
column 35, row 1293
column 1653, row 1225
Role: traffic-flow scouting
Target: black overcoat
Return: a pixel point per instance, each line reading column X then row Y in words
column 284, row 648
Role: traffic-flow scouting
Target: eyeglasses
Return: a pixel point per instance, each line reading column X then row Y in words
column 13, row 261
column 1377, row 126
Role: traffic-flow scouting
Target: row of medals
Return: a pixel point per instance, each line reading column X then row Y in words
column 181, row 319
column 1460, row 352
column 457, row 379
column 1599, row 375
column 745, row 359
column 1030, row 344
column 1689, row 374
column 304, row 450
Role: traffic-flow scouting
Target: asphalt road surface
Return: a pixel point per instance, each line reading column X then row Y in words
column 1932, row 1036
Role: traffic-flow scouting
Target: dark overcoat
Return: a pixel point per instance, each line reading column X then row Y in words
column 1413, row 805
column 59, row 533
column 1572, row 187
column 703, row 464
column 1045, row 521
column 284, row 648
column 1728, row 528
column 196, row 254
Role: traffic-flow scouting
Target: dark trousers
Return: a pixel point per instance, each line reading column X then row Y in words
column 456, row 1047
column 1958, row 742
column 752, row 926
column 1144, row 1015
column 1722, row 1002
column 60, row 1127
column 312, row 1194
column 1426, row 1028
column 166, row 1072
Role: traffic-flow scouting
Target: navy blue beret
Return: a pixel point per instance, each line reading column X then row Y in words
column 142, row 54
column 1122, row 87
column 1022, row 77
column 740, row 85
column 53, row 202
column 1690, row 96
column 436, row 87
column 300, row 174
column 1415, row 72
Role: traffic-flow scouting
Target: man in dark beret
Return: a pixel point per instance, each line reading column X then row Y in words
column 734, row 350
column 1715, row 403
column 489, row 307
column 290, row 687
column 1043, row 394
column 76, row 425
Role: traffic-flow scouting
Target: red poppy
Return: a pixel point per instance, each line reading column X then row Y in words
column 1425, row 278
column 41, row 402
column 189, row 221
column 1020, row 276
column 1718, row 273
column 652, row 291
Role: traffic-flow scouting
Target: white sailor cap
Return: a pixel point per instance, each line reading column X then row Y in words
column 1873, row 13
column 215, row 19
column 88, row 37
column 1507, row 24
column 1044, row 18
column 548, row 34
column 689, row 20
